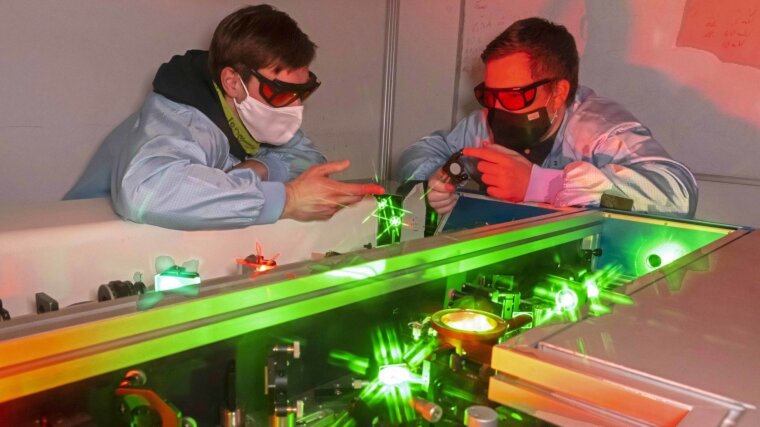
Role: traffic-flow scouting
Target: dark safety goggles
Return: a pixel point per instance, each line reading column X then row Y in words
column 280, row 94
column 511, row 98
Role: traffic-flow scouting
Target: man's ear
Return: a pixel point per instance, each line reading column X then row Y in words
column 232, row 86
column 561, row 92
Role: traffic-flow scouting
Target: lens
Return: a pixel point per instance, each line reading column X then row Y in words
column 530, row 96
column 511, row 100
column 266, row 90
column 282, row 99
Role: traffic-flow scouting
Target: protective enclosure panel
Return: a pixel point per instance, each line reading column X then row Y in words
column 387, row 336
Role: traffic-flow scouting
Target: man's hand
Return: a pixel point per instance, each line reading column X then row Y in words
column 256, row 166
column 314, row 196
column 441, row 192
column 505, row 172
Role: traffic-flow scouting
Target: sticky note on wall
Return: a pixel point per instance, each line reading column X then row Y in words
column 729, row 29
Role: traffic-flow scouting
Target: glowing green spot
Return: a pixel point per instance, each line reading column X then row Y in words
column 390, row 215
column 592, row 290
column 566, row 299
column 654, row 261
column 653, row 257
column 394, row 375
column 175, row 277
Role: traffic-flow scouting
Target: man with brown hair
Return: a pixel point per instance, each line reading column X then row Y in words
column 217, row 144
column 540, row 137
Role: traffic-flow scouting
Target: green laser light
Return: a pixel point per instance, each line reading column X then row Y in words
column 394, row 375
column 654, row 261
column 566, row 299
column 175, row 277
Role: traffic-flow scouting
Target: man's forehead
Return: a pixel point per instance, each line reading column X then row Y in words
column 509, row 71
column 288, row 75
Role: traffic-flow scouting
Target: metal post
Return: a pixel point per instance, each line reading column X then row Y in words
column 389, row 88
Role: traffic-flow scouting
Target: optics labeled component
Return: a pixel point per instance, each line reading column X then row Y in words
column 171, row 276
column 468, row 324
column 176, row 277
column 4, row 314
column 429, row 411
column 470, row 332
column 454, row 169
column 142, row 406
column 480, row 416
column 45, row 303
column 390, row 218
column 283, row 413
column 257, row 262
column 231, row 415
column 119, row 289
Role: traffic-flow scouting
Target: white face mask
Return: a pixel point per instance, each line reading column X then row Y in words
column 266, row 123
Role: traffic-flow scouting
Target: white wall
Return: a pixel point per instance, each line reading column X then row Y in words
column 425, row 69
column 71, row 71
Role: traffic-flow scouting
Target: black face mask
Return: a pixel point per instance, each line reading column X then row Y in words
column 521, row 131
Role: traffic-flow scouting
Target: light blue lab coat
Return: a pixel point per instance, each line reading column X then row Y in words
column 599, row 148
column 169, row 165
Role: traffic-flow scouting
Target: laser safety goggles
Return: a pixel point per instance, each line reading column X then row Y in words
column 279, row 94
column 511, row 98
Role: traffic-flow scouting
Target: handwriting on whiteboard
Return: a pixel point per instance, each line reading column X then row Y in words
column 729, row 29
column 482, row 23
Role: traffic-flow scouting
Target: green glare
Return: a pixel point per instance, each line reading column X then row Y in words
column 566, row 299
column 360, row 272
column 659, row 251
column 592, row 290
column 469, row 322
column 419, row 351
column 390, row 215
column 175, row 277
column 664, row 254
column 394, row 375
column 581, row 346
column 397, row 378
column 352, row 362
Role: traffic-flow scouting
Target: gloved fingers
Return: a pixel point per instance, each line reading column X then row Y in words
column 486, row 154
column 499, row 193
column 503, row 150
column 494, row 180
column 493, row 168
